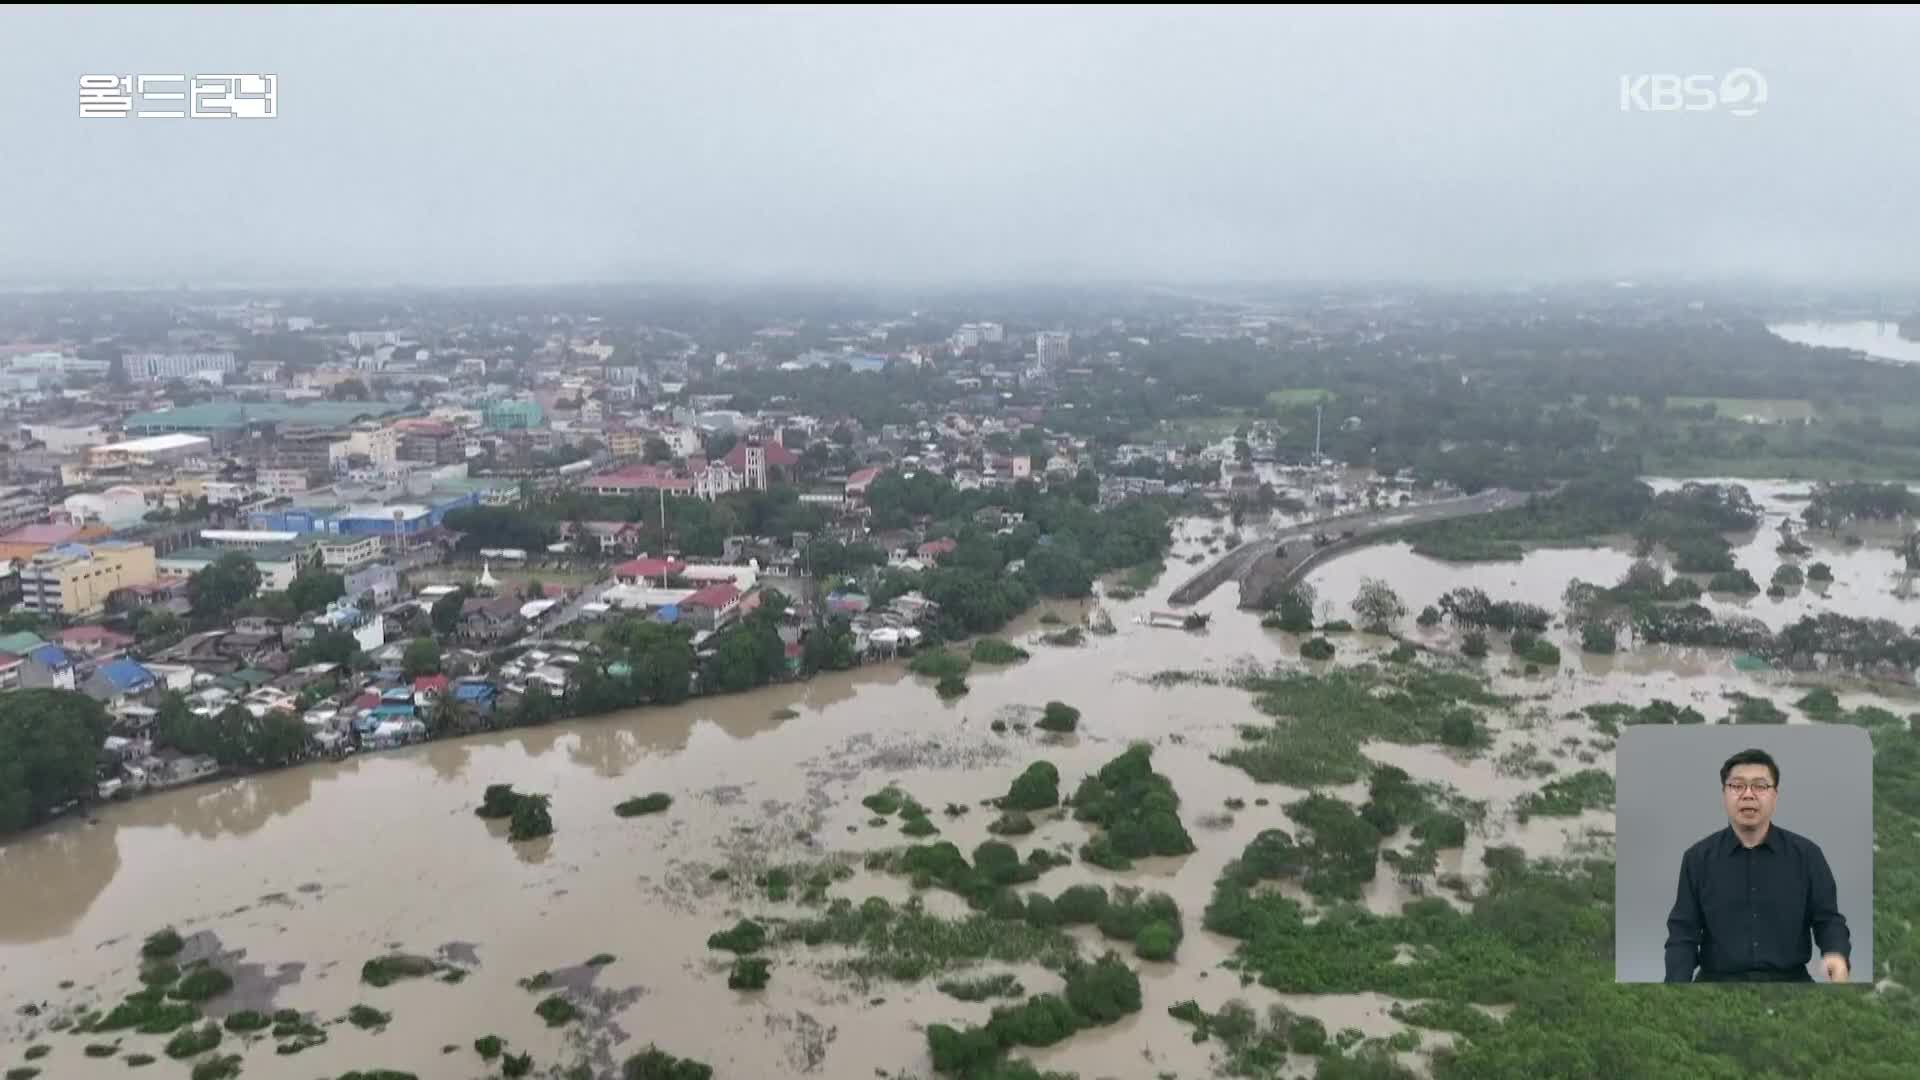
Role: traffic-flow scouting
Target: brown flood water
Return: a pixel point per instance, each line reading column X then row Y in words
column 329, row 865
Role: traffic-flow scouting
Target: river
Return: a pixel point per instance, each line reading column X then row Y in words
column 311, row 871
column 1880, row 340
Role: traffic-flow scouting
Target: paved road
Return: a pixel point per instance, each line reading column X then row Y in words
column 1234, row 565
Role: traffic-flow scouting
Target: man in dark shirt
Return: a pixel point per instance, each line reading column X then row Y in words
column 1751, row 893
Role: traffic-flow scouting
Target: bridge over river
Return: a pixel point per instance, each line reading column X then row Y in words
column 1301, row 554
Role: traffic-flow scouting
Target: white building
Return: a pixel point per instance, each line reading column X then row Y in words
column 154, row 450
column 60, row 439
column 372, row 337
column 348, row 551
column 379, row 445
column 1051, row 348
column 159, row 367
column 117, row 507
column 279, row 482
column 992, row 333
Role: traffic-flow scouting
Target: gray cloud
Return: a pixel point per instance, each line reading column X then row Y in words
column 455, row 146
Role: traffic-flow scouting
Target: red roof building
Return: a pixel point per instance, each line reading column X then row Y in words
column 778, row 457
column 713, row 597
column 432, row 686
column 638, row 478
column 860, row 481
column 639, row 571
column 933, row 549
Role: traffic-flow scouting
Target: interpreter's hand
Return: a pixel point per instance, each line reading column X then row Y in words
column 1836, row 967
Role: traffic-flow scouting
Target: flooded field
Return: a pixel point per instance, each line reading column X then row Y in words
column 296, row 878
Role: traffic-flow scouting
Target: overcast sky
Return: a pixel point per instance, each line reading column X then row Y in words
column 456, row 146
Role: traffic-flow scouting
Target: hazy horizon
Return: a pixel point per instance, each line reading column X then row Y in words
column 919, row 148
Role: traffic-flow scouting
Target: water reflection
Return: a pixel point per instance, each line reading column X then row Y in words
column 51, row 877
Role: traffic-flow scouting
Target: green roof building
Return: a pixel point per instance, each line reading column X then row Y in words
column 512, row 415
column 228, row 416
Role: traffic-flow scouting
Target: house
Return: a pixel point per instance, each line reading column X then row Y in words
column 614, row 537
column 711, row 608
column 118, row 679
column 490, row 620
column 476, row 694
column 10, row 666
column 428, row 690
column 933, row 550
column 93, row 642
column 860, row 482
column 49, row 666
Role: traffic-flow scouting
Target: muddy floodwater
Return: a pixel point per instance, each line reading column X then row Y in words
column 294, row 879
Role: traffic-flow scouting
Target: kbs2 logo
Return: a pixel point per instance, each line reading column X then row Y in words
column 1741, row 92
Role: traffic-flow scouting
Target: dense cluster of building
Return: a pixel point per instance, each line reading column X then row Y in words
column 134, row 463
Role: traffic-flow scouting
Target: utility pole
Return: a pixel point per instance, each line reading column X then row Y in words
column 1316, row 435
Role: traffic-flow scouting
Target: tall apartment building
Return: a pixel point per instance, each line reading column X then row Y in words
column 1051, row 348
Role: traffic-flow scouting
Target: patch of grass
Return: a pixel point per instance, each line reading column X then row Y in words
column 37, row 1051
column 746, row 936
column 1589, row 789
column 1316, row 649
column 906, row 944
column 146, row 1013
column 556, row 1011
column 537, row 982
column 160, row 973
column 990, row 986
column 783, row 714
column 219, row 1068
column 645, row 804
column 191, row 1041
column 1059, row 717
column 950, row 687
column 23, row 1072
column 1050, row 619
column 1011, row 823
column 748, row 973
column 997, row 651
column 162, row 945
column 201, row 984
column 489, row 1046
column 139, row 1061
column 654, row 1063
column 389, row 969
column 1323, row 720
column 939, row 663
column 1037, row 788
column 777, row 882
column 365, row 1017
column 1070, row 637
column 1755, row 710
column 100, row 1050
column 516, row 1065
column 886, row 801
column 918, row 827
column 600, row 960
column 1136, row 808
column 247, row 1020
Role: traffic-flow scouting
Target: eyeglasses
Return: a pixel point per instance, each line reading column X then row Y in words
column 1740, row 787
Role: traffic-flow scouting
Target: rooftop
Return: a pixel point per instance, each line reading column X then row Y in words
column 226, row 415
column 156, row 443
column 263, row 553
